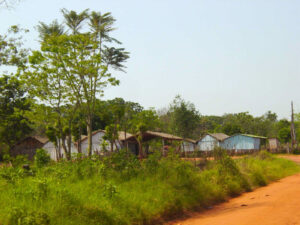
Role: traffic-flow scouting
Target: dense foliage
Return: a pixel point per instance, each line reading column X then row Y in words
column 13, row 105
column 184, row 120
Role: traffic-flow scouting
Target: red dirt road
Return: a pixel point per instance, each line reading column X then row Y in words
column 275, row 204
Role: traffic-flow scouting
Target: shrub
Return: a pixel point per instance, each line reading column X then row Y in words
column 41, row 158
column 20, row 160
column 22, row 217
column 230, row 176
column 120, row 189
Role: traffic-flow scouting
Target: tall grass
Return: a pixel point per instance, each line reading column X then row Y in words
column 122, row 190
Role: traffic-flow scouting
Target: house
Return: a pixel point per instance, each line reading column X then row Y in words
column 209, row 141
column 165, row 139
column 99, row 144
column 188, row 145
column 274, row 144
column 54, row 150
column 242, row 142
column 149, row 135
column 28, row 146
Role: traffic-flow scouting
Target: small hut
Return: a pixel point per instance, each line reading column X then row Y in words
column 274, row 144
column 188, row 145
column 209, row 141
column 28, row 146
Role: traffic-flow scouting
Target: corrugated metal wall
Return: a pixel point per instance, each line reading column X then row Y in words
column 97, row 144
column 50, row 148
column 241, row 142
column 188, row 146
column 207, row 143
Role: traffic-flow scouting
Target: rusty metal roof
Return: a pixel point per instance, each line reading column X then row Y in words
column 41, row 139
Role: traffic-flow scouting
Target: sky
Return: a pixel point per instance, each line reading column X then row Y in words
column 225, row 56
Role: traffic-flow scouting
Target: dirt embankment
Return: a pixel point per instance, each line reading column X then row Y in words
column 275, row 204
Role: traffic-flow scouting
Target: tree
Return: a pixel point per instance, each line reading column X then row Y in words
column 77, row 62
column 113, row 116
column 210, row 124
column 11, row 51
column 140, row 123
column 14, row 101
column 284, row 135
column 13, row 105
column 231, row 129
column 46, row 82
column 184, row 117
column 112, row 134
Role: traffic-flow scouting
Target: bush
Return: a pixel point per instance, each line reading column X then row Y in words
column 41, row 158
column 120, row 189
column 22, row 217
column 20, row 160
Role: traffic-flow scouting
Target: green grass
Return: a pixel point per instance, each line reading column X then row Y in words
column 121, row 190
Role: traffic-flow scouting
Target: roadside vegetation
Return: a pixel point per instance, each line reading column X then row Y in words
column 120, row 189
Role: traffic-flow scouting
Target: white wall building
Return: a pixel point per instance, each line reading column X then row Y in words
column 54, row 150
column 209, row 141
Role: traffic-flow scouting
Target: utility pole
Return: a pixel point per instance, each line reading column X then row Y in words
column 293, row 133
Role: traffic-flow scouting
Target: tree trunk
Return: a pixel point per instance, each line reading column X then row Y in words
column 69, row 143
column 79, row 141
column 59, row 149
column 57, row 154
column 118, row 145
column 65, row 149
column 125, row 141
column 63, row 143
column 139, row 140
column 69, row 139
column 111, row 146
column 89, row 133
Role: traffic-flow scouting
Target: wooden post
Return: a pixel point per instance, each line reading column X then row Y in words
column 163, row 146
column 293, row 134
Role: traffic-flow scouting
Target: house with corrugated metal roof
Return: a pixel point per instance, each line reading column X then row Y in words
column 242, row 142
column 165, row 138
column 28, row 146
column 188, row 145
column 56, row 151
column 211, row 140
column 98, row 142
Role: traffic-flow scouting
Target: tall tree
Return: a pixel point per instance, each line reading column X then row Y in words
column 46, row 82
column 13, row 105
column 14, row 101
column 78, row 62
column 184, row 117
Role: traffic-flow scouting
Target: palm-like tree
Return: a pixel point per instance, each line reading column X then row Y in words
column 53, row 29
column 115, row 57
column 101, row 25
column 74, row 20
column 84, row 57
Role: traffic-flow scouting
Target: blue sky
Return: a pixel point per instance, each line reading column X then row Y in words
column 225, row 56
